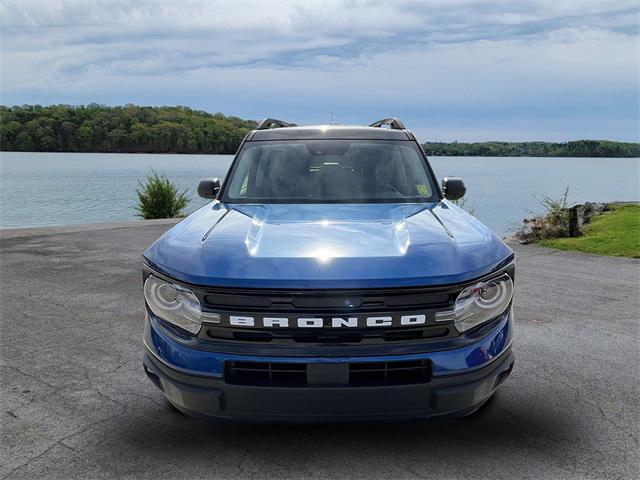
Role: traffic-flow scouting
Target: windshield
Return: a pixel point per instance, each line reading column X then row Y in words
column 329, row 171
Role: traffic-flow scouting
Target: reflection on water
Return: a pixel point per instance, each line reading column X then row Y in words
column 65, row 188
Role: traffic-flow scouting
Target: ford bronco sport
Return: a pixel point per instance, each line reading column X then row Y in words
column 329, row 279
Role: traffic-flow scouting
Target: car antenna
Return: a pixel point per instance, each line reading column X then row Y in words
column 330, row 118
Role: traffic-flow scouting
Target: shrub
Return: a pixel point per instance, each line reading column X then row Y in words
column 553, row 223
column 160, row 198
column 556, row 219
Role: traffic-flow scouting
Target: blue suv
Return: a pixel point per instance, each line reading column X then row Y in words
column 330, row 279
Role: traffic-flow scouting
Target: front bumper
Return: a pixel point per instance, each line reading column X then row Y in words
column 449, row 396
column 462, row 380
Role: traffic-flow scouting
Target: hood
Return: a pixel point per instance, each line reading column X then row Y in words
column 328, row 246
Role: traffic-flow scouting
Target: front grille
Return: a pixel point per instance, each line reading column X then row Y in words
column 356, row 374
column 292, row 336
column 326, row 302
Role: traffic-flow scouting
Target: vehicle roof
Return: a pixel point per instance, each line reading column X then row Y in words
column 317, row 132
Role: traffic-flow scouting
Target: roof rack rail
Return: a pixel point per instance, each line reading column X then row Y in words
column 393, row 122
column 273, row 123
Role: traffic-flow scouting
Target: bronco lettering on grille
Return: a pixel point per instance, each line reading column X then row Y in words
column 328, row 322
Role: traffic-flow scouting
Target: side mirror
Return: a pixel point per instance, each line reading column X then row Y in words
column 453, row 188
column 209, row 188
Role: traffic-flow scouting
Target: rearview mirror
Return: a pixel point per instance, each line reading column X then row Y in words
column 209, row 188
column 453, row 188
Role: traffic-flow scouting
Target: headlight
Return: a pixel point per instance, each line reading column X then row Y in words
column 176, row 304
column 479, row 303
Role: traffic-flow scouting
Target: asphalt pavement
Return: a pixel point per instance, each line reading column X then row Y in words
column 75, row 403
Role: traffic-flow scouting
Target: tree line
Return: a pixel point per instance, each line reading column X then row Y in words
column 127, row 129
column 578, row 148
column 136, row 129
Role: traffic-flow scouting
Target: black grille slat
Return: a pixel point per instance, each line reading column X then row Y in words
column 249, row 336
column 390, row 373
column 360, row 374
column 329, row 302
column 425, row 333
column 324, row 336
column 328, row 337
column 266, row 374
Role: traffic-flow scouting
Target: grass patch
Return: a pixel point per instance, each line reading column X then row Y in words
column 616, row 232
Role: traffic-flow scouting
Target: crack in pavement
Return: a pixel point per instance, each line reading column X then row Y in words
column 60, row 442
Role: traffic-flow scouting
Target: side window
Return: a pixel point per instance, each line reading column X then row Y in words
column 239, row 187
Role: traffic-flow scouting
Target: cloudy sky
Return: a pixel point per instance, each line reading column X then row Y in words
column 451, row 70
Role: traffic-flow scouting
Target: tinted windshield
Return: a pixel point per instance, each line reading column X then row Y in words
column 326, row 171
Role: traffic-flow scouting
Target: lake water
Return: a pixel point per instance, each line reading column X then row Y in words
column 38, row 189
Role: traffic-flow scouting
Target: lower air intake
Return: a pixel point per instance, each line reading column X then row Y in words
column 356, row 374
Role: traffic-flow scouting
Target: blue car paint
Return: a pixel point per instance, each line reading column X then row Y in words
column 444, row 362
column 332, row 246
column 328, row 246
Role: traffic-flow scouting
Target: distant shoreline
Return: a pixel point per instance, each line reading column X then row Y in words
column 572, row 149
column 232, row 154
column 167, row 130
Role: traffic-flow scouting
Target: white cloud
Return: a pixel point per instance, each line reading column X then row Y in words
column 427, row 59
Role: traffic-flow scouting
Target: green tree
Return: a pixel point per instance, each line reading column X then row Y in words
column 132, row 128
column 579, row 148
